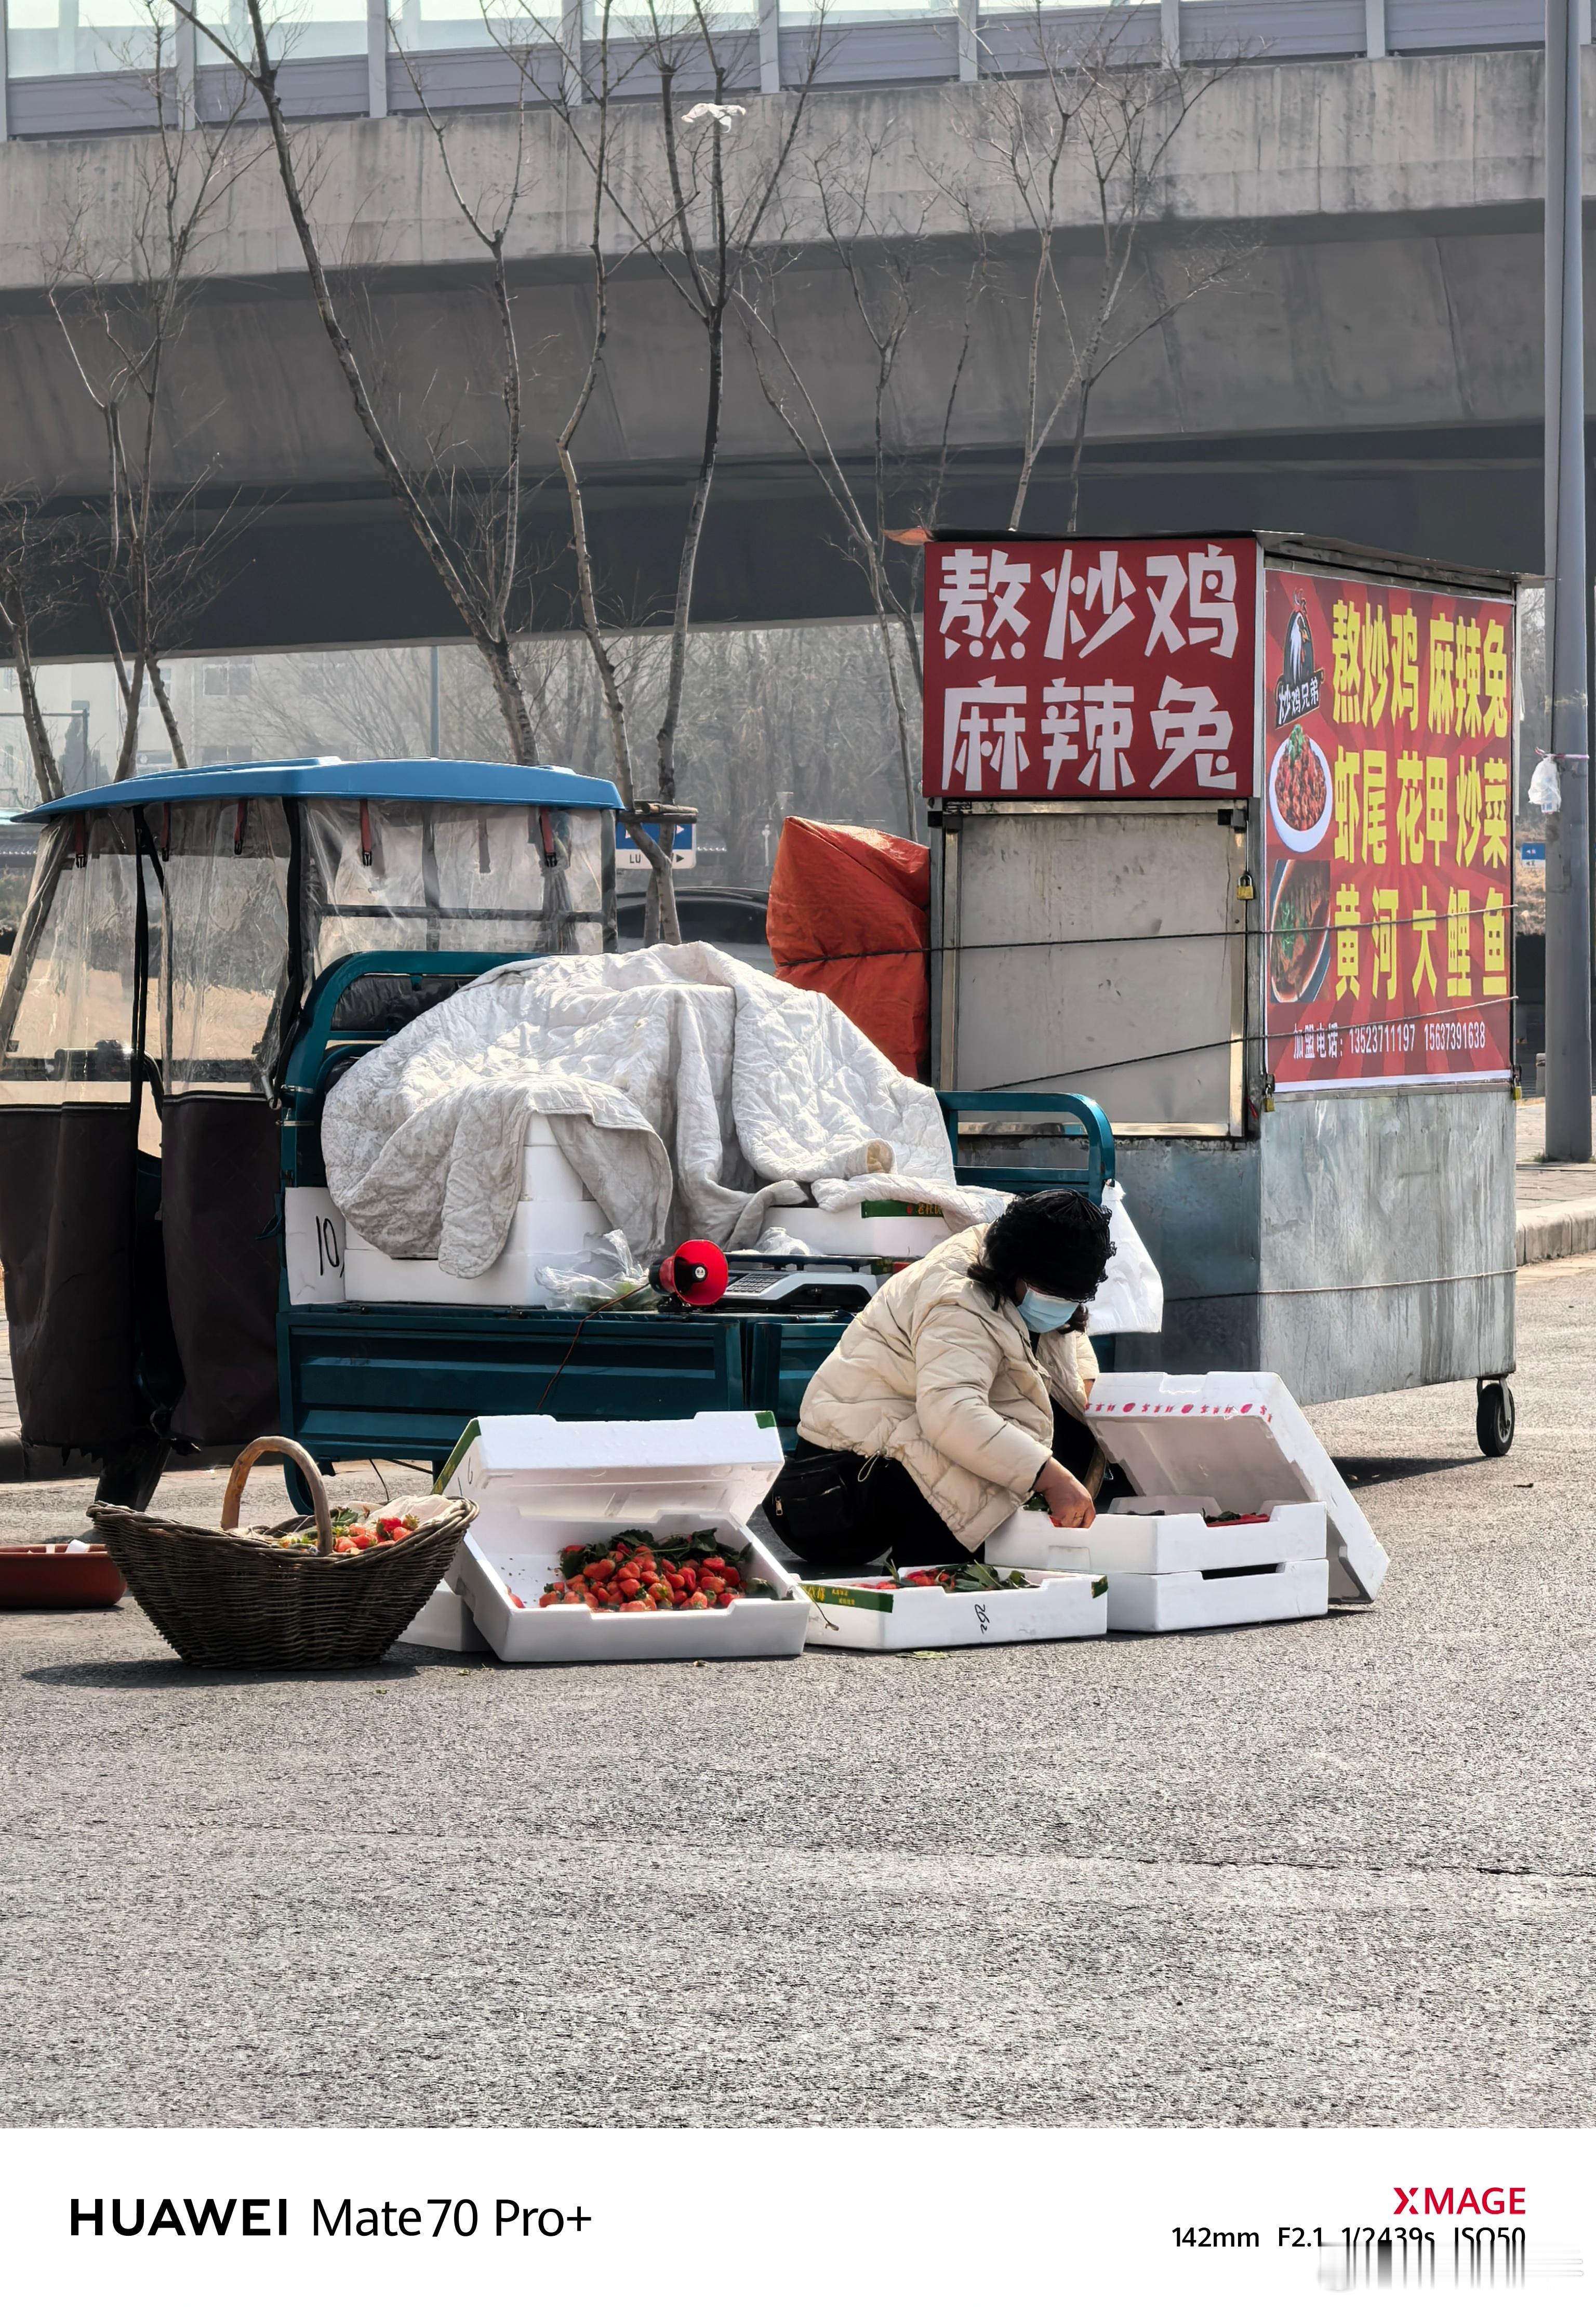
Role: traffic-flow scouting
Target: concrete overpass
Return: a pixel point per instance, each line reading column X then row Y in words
column 1373, row 371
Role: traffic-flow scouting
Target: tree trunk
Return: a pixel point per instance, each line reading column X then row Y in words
column 159, row 683
column 47, row 770
column 129, row 727
column 689, row 563
column 493, row 645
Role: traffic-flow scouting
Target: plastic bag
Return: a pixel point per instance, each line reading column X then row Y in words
column 849, row 916
column 1131, row 1294
column 588, row 1293
column 1546, row 787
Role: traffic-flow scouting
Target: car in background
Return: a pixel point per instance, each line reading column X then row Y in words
column 732, row 919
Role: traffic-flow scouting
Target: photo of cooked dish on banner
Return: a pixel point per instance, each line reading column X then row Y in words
column 1389, row 798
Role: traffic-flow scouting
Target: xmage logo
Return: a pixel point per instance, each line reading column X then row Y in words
column 1458, row 2202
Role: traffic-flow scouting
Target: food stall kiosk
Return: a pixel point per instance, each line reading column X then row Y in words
column 1222, row 835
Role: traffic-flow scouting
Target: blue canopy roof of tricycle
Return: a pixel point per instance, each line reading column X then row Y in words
column 493, row 783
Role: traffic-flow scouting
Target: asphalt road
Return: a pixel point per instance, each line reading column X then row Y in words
column 1334, row 1872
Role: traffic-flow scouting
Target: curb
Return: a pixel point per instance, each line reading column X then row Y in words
column 1556, row 1230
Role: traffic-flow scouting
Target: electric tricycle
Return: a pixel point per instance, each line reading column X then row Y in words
column 203, row 954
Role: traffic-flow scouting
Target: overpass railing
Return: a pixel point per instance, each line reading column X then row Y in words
column 81, row 67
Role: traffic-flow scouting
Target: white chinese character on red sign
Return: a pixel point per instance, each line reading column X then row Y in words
column 1187, row 722
column 974, row 582
column 1203, row 584
column 1108, row 735
column 1107, row 588
column 1061, row 728
column 976, row 735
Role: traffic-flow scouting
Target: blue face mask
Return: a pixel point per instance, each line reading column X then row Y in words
column 1040, row 1313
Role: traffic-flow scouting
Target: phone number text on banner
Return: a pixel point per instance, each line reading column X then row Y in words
column 1388, row 812
column 1080, row 670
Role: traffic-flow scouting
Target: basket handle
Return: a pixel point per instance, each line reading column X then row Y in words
column 279, row 1446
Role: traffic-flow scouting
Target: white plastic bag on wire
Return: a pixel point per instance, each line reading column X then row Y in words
column 1131, row 1294
column 1546, row 787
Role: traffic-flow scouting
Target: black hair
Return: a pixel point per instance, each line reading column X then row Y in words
column 1057, row 1241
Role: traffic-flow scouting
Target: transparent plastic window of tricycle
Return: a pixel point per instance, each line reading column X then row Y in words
column 451, row 876
column 66, row 1015
column 225, row 870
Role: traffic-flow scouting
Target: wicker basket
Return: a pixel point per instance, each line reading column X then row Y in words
column 224, row 1599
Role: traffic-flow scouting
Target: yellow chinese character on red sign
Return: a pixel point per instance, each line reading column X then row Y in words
column 1410, row 809
column 1435, row 813
column 1373, row 809
column 1468, row 803
column 1347, row 767
column 1347, row 924
column 1496, row 815
column 1424, row 922
column 1441, row 706
column 1405, row 666
column 1345, row 660
column 1459, row 965
column 1376, row 665
column 1494, row 722
column 1467, row 677
column 1383, row 906
column 1494, row 979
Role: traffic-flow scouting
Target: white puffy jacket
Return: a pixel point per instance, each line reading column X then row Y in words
column 958, row 1390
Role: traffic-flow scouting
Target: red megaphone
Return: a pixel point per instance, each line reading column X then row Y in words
column 696, row 1273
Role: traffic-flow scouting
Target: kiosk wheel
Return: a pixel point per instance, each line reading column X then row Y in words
column 1495, row 1417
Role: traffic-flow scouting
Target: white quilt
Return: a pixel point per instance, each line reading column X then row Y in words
column 692, row 1095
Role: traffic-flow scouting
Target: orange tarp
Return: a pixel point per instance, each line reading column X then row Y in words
column 850, row 915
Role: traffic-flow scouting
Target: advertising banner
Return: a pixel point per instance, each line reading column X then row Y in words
column 1079, row 670
column 1388, row 816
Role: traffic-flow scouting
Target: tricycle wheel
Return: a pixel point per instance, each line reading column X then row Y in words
column 298, row 1489
column 1495, row 1418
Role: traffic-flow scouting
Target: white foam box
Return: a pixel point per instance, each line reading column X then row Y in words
column 1152, row 1537
column 1178, row 1601
column 543, row 1483
column 1169, row 1569
column 857, row 1614
column 850, row 1233
column 1156, row 1535
column 553, row 1225
column 1234, row 1440
column 443, row 1623
column 1031, row 1540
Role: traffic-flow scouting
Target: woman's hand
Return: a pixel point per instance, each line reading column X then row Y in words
column 1069, row 1502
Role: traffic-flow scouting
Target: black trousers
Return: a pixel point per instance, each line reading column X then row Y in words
column 838, row 1512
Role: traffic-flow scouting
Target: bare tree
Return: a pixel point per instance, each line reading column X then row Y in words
column 792, row 717
column 1088, row 121
column 468, row 527
column 888, row 267
column 488, row 216
column 37, row 550
column 122, row 296
column 698, row 205
column 464, row 500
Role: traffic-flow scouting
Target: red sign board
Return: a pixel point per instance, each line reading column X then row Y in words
column 1080, row 669
column 1388, row 832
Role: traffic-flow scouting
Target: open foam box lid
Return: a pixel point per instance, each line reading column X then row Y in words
column 722, row 1462
column 1236, row 1436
